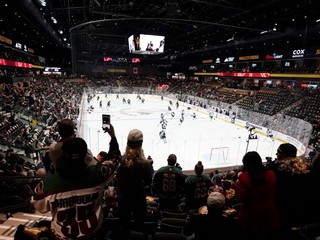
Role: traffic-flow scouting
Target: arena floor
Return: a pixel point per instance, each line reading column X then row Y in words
column 216, row 143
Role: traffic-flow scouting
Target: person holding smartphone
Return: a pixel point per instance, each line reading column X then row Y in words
column 66, row 130
column 74, row 193
column 114, row 151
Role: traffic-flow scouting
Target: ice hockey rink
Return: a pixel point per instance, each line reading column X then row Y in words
column 217, row 143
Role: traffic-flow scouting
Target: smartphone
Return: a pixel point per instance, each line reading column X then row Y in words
column 105, row 120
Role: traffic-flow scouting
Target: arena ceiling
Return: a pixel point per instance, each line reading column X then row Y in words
column 102, row 27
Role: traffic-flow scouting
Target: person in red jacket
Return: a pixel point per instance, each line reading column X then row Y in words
column 255, row 190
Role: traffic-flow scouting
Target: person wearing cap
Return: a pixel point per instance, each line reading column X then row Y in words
column 132, row 178
column 73, row 194
column 255, row 190
column 293, row 195
column 169, row 184
column 212, row 223
column 197, row 187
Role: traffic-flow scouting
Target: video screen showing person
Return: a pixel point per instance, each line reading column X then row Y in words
column 146, row 44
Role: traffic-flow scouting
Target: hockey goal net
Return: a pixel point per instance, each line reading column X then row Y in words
column 219, row 154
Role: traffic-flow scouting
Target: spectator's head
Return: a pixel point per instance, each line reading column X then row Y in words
column 198, row 168
column 41, row 172
column 72, row 164
column 149, row 158
column 66, row 128
column 251, row 161
column 215, row 201
column 102, row 156
column 135, row 138
column 286, row 150
column 134, row 152
column 172, row 159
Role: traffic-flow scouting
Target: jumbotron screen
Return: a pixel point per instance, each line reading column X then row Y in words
column 146, row 44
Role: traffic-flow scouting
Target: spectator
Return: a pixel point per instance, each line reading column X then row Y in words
column 293, row 188
column 197, row 188
column 13, row 158
column 133, row 177
column 215, row 174
column 149, row 189
column 255, row 190
column 169, row 184
column 211, row 223
column 102, row 156
column 74, row 193
column 114, row 152
column 66, row 131
column 149, row 158
column 315, row 199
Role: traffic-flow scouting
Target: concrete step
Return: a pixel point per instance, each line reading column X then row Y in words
column 36, row 217
column 9, row 226
column 7, row 232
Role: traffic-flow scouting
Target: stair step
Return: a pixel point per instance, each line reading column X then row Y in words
column 12, row 221
column 9, row 226
column 7, row 232
column 36, row 217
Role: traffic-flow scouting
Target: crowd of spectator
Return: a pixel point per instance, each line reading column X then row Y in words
column 255, row 201
column 262, row 68
column 33, row 114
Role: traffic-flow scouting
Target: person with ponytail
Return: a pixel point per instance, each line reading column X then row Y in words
column 197, row 188
column 133, row 177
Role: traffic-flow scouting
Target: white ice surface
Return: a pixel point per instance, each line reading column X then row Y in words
column 216, row 143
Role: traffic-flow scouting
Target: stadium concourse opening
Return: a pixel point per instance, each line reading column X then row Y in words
column 215, row 142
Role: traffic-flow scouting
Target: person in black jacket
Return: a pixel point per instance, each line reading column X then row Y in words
column 293, row 188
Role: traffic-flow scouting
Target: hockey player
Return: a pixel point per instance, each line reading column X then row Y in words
column 270, row 134
column 162, row 135
column 211, row 116
column 181, row 120
column 164, row 125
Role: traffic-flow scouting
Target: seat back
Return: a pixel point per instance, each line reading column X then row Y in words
column 167, row 214
column 172, row 225
column 169, row 236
